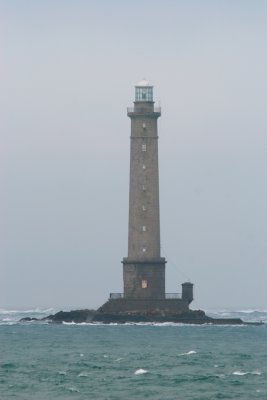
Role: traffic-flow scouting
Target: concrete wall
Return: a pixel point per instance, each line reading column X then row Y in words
column 169, row 306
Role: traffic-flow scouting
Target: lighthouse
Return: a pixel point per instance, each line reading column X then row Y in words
column 144, row 268
column 144, row 296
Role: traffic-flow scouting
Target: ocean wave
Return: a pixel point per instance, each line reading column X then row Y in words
column 31, row 311
column 243, row 373
column 14, row 316
column 84, row 374
column 73, row 389
column 72, row 323
column 149, row 324
column 189, row 353
column 239, row 373
column 140, row 371
column 247, row 315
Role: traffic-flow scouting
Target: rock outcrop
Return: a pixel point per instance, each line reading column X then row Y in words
column 90, row 316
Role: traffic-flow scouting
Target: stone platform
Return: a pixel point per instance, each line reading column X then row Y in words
column 141, row 306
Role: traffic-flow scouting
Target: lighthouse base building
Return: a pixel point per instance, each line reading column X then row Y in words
column 144, row 269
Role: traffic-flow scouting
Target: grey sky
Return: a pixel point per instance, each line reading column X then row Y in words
column 68, row 70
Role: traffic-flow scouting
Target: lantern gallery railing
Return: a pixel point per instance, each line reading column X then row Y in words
column 114, row 296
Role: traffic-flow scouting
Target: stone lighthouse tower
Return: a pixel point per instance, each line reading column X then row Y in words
column 144, row 268
column 144, row 294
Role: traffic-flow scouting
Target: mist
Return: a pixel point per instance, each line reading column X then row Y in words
column 68, row 71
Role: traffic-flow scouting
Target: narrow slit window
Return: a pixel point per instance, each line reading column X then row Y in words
column 144, row 228
column 144, row 187
column 144, row 208
column 144, row 125
column 144, row 284
column 144, row 249
column 143, row 147
column 144, row 167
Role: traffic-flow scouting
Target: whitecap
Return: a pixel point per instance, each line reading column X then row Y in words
column 189, row 353
column 247, row 315
column 73, row 389
column 84, row 323
column 62, row 372
column 81, row 355
column 34, row 310
column 141, row 371
column 84, row 374
column 240, row 373
column 251, row 310
column 256, row 372
column 119, row 359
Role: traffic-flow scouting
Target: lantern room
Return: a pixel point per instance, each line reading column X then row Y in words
column 143, row 91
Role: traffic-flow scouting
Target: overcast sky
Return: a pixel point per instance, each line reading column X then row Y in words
column 68, row 70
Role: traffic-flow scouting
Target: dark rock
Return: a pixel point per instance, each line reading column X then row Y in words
column 28, row 319
column 77, row 316
column 192, row 317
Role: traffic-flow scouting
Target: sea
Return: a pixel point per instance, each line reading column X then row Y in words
column 165, row 361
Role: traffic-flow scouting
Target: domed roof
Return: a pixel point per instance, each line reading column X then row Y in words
column 143, row 82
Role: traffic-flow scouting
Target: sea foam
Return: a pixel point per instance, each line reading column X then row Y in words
column 84, row 374
column 242, row 373
column 141, row 371
column 189, row 353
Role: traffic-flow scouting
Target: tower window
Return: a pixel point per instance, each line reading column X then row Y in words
column 144, row 208
column 144, row 249
column 144, row 228
column 144, row 167
column 143, row 147
column 144, row 187
column 144, row 284
column 144, row 125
